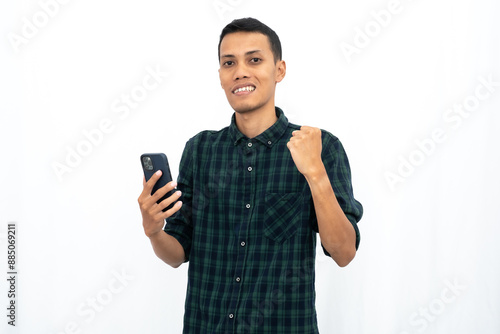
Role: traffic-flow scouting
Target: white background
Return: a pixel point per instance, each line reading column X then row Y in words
column 428, row 259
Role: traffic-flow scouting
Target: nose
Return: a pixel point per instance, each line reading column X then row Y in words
column 241, row 71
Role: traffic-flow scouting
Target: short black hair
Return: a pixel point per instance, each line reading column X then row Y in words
column 250, row 24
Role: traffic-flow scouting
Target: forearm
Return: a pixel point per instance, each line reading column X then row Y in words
column 336, row 231
column 167, row 248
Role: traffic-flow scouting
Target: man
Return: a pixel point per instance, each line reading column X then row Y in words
column 251, row 198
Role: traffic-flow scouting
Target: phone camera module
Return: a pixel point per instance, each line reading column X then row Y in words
column 148, row 164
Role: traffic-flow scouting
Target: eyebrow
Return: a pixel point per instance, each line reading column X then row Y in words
column 246, row 54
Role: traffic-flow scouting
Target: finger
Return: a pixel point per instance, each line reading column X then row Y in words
column 169, row 200
column 151, row 183
column 146, row 191
column 172, row 210
column 163, row 190
column 145, row 196
column 294, row 140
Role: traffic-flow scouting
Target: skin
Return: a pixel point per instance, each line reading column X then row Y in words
column 164, row 245
column 335, row 230
column 247, row 60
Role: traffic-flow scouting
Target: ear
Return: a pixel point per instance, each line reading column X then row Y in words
column 280, row 70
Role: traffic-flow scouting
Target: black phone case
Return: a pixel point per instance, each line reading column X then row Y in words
column 160, row 162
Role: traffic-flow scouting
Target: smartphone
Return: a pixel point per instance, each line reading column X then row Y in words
column 152, row 162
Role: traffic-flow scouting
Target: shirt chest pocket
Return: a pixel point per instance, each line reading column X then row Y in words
column 283, row 215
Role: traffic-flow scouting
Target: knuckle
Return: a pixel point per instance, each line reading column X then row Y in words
column 150, row 212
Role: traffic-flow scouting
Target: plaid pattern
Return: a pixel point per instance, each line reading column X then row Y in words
column 248, row 229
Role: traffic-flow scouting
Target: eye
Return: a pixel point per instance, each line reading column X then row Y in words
column 255, row 60
column 228, row 63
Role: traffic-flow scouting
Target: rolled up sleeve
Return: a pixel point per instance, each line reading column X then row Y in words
column 339, row 172
column 180, row 225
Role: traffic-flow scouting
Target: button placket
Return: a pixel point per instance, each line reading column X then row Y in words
column 248, row 178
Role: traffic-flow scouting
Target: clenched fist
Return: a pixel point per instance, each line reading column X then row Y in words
column 305, row 147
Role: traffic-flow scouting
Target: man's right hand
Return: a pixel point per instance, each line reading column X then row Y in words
column 153, row 218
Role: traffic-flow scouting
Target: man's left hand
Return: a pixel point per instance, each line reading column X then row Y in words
column 305, row 147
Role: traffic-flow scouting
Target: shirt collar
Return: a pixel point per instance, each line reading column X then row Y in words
column 268, row 137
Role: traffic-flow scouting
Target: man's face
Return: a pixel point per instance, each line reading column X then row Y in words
column 248, row 73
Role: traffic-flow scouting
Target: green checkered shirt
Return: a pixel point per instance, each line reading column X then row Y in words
column 248, row 229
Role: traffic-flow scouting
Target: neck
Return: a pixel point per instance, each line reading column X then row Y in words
column 253, row 123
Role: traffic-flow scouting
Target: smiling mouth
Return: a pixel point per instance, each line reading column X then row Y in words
column 244, row 89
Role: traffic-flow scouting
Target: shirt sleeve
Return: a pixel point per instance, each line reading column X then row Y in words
column 339, row 172
column 180, row 224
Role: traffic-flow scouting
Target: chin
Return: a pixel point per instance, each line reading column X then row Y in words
column 243, row 108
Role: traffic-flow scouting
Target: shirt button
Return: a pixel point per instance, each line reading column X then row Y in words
column 247, row 206
column 249, row 169
column 238, row 279
column 243, row 244
column 231, row 316
column 269, row 142
column 249, row 144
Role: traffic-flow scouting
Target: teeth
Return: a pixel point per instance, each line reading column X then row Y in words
column 245, row 89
